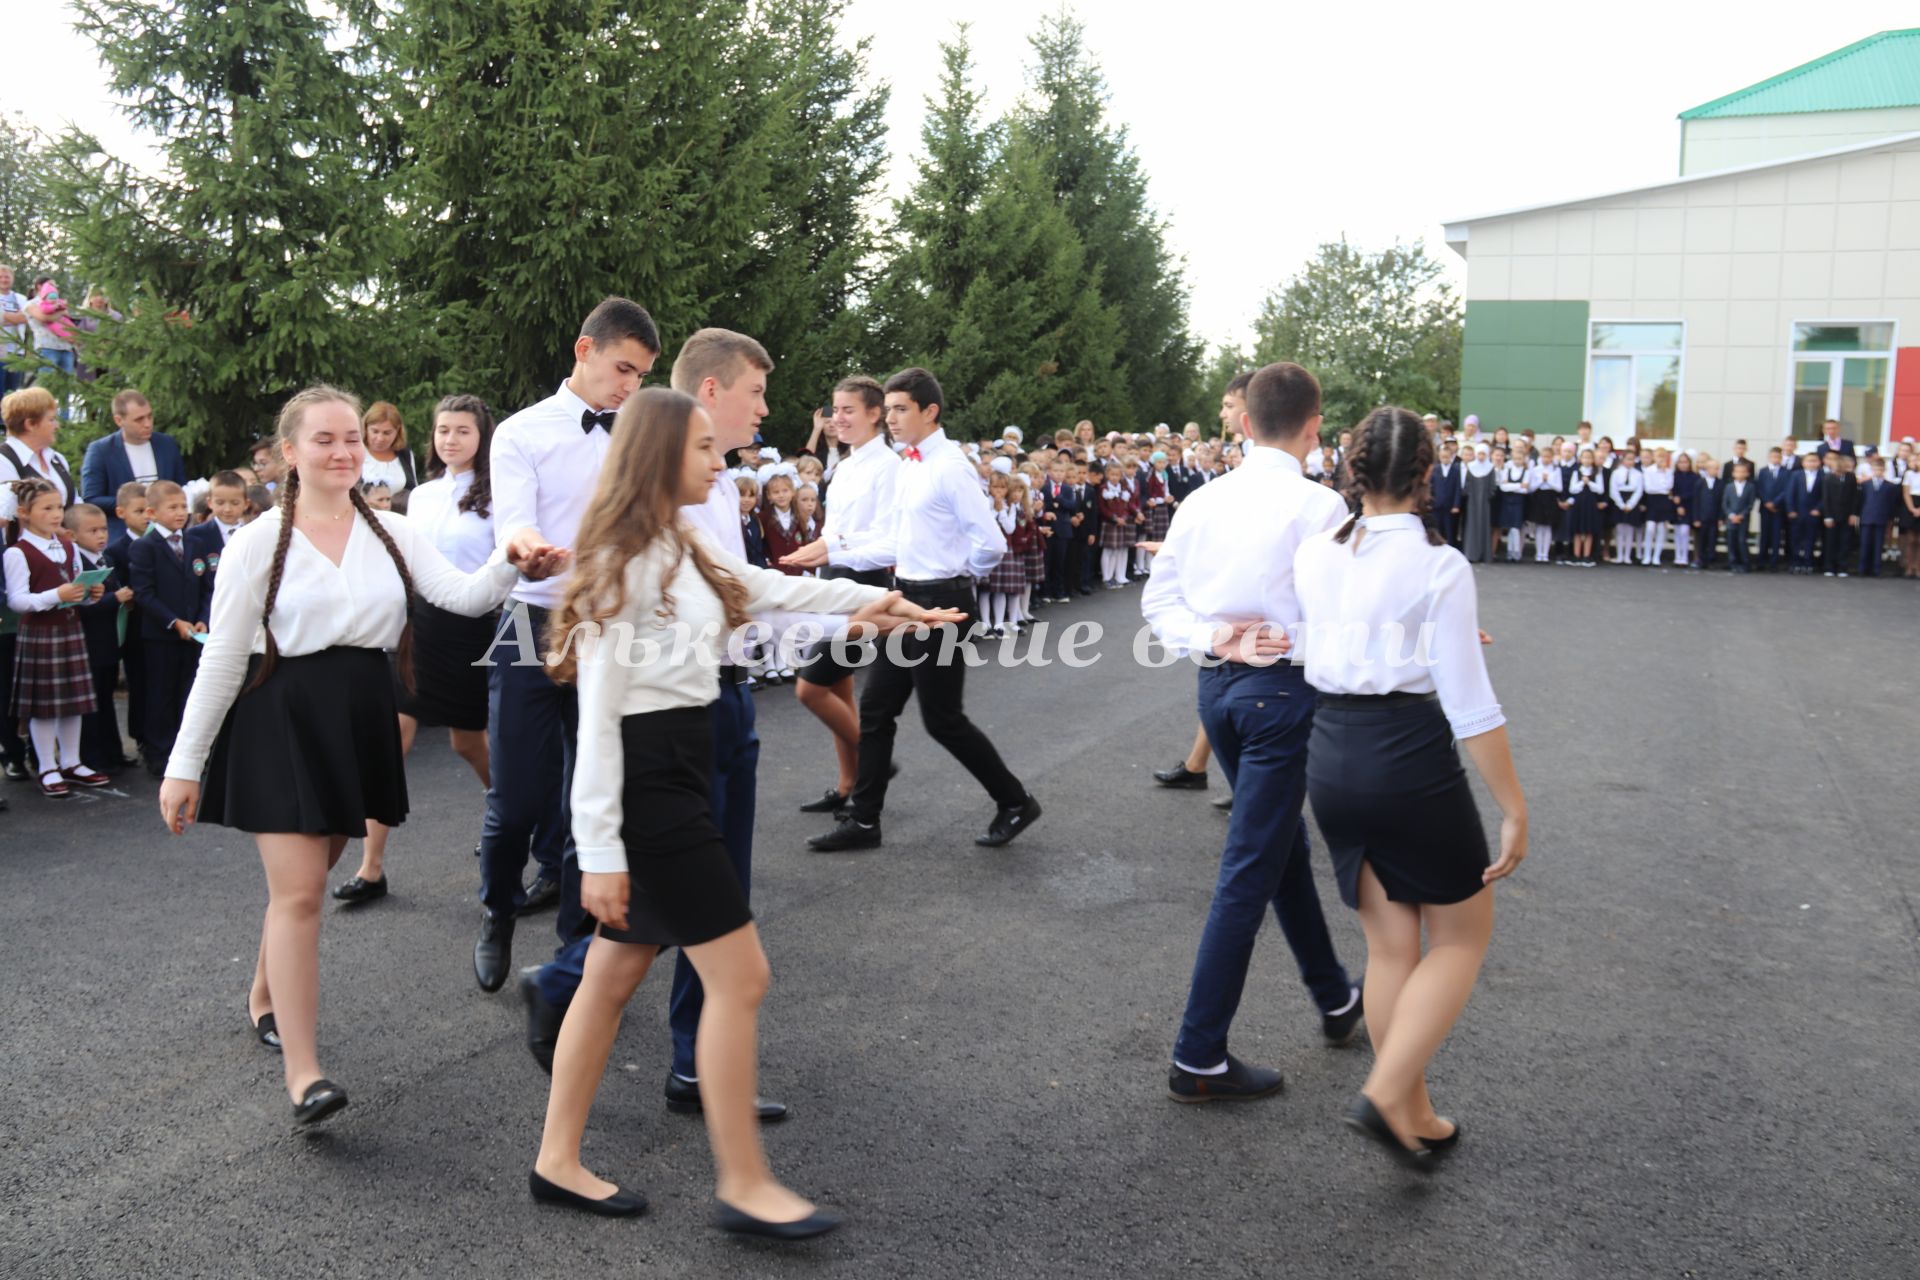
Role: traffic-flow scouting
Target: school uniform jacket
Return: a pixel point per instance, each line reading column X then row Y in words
column 1879, row 501
column 1447, row 482
column 165, row 587
column 1705, row 510
column 1738, row 506
column 1839, row 492
column 204, row 544
column 1804, row 501
column 1772, row 483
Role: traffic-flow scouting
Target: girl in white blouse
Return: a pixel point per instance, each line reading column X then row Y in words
column 643, row 630
column 454, row 511
column 310, row 596
column 1392, row 642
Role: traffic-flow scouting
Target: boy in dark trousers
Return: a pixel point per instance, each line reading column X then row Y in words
column 167, row 591
column 1804, row 500
column 1836, row 511
column 101, row 747
column 1089, row 530
column 1876, row 511
column 130, row 505
column 1770, row 485
column 1738, row 497
column 1448, row 482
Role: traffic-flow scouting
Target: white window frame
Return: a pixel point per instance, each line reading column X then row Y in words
column 1680, row 393
column 1892, row 353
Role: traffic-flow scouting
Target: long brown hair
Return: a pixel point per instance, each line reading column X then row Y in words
column 1391, row 457
column 287, row 428
column 479, row 495
column 635, row 504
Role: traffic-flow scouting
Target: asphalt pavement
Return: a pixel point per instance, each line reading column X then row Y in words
column 1692, row 1052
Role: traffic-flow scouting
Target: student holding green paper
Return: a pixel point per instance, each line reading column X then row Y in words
column 102, row 621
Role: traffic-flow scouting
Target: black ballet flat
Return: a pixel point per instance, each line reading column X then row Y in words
column 817, row 1223
column 1365, row 1119
column 828, row 803
column 358, row 890
column 1440, row 1146
column 322, row 1098
column 621, row 1204
column 266, row 1030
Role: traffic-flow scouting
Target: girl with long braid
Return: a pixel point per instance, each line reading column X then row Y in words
column 1393, row 647
column 292, row 720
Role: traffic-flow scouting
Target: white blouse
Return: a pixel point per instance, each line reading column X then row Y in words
column 18, row 574
column 463, row 537
column 359, row 603
column 1389, row 612
column 392, row 474
column 1656, row 480
column 1626, row 488
column 642, row 662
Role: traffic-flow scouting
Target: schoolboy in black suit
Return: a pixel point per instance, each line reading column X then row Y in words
column 130, row 507
column 1836, row 511
column 101, row 747
column 1447, row 481
column 1060, row 510
column 167, row 591
column 1803, row 507
column 1738, row 497
column 206, row 542
column 1878, row 499
column 1770, row 482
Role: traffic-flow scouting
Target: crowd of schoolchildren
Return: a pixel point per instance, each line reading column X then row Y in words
column 1830, row 509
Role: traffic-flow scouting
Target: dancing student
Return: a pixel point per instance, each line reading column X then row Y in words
column 1543, row 505
column 1771, row 483
column 292, row 719
column 1703, row 515
column 1626, row 497
column 1587, row 494
column 1387, row 788
column 862, row 498
column 1202, row 600
column 1116, row 527
column 101, row 747
column 1513, row 478
column 1803, row 506
column 53, row 686
column 1907, row 514
column 1738, row 497
column 941, row 537
column 544, row 462
column 454, row 511
column 1657, row 511
column 655, row 871
column 1477, row 498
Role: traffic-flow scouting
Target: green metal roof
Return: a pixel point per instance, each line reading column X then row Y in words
column 1881, row 71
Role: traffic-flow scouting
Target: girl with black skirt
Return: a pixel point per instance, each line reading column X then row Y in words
column 643, row 631
column 291, row 719
column 454, row 511
column 1383, row 775
column 1587, row 493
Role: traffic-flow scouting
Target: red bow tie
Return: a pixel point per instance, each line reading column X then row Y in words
column 912, row 454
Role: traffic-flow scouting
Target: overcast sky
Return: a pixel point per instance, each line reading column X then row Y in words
column 1270, row 127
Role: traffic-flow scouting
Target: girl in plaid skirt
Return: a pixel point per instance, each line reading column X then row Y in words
column 1004, row 583
column 1027, row 498
column 1116, row 527
column 52, row 683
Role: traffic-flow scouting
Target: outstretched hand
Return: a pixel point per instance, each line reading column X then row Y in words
column 810, row 556
column 892, row 611
column 534, row 556
column 1257, row 643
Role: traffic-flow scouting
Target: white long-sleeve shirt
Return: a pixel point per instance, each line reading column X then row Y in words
column 618, row 677
column 1625, row 488
column 1654, row 480
column 1228, row 556
column 465, row 538
column 545, row 468
column 1513, row 478
column 1389, row 612
column 862, row 497
column 18, row 574
column 359, row 603
column 941, row 524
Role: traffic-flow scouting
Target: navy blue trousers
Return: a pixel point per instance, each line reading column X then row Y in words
column 531, row 725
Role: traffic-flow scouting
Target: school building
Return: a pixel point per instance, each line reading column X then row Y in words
column 1773, row 284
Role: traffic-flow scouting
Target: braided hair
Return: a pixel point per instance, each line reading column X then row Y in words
column 25, row 490
column 479, row 496
column 287, row 429
column 1392, row 456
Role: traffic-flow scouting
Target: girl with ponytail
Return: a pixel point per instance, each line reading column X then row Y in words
column 292, row 719
column 1393, row 644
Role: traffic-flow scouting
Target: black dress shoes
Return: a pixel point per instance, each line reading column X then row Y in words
column 683, row 1098
column 831, row 802
column 266, row 1031
column 356, row 890
column 1340, row 1028
column 543, row 1019
column 621, row 1204
column 16, row 771
column 322, row 1099
column 1181, row 778
column 1365, row 1119
column 493, row 954
column 1240, row 1082
column 848, row 835
column 544, row 892
column 817, row 1223
column 1009, row 823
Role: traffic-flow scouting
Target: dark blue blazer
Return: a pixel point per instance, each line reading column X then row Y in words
column 1877, row 503
column 165, row 590
column 1799, row 500
column 1773, row 488
column 1704, row 510
column 1447, row 480
column 204, row 545
column 1063, row 507
column 105, row 468
column 755, row 540
column 1739, row 507
column 1823, row 448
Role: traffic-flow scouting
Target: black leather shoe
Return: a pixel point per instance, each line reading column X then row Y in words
column 831, row 802
column 817, row 1223
column 322, row 1099
column 1340, row 1028
column 1181, row 778
column 544, row 892
column 848, row 835
column 357, row 890
column 493, row 954
column 16, row 771
column 543, row 1019
column 1224, row 804
column 1440, row 1146
column 683, row 1098
column 1009, row 823
column 266, row 1031
column 1240, row 1082
column 621, row 1204
column 1365, row 1119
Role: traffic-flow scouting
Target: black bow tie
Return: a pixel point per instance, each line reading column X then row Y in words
column 589, row 420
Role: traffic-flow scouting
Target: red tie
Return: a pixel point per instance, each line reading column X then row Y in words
column 912, row 454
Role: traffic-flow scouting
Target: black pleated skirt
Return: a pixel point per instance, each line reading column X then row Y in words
column 684, row 890
column 315, row 750
column 1387, row 789
column 448, row 689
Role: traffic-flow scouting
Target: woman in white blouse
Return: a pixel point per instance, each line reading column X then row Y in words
column 310, row 597
column 643, row 630
column 454, row 511
column 1392, row 642
column 389, row 459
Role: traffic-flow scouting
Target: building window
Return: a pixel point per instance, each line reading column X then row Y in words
column 1633, row 378
column 1841, row 369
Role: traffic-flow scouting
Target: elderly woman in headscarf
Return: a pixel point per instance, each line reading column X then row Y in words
column 1480, row 490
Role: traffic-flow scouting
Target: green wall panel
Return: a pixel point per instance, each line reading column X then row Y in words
column 1523, row 364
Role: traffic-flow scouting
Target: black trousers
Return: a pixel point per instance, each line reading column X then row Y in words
column 171, row 663
column 1086, row 556
column 100, row 746
column 942, row 687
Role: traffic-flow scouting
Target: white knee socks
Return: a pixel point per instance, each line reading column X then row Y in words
column 1542, row 542
column 1682, row 544
column 56, row 742
column 1514, row 538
